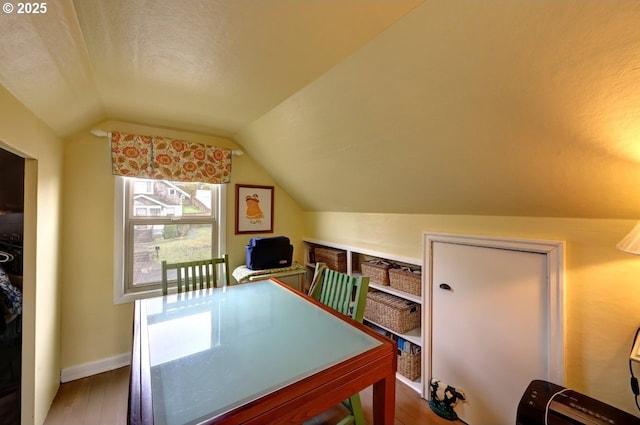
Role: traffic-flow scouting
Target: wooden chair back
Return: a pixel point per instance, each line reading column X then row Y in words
column 193, row 275
column 344, row 293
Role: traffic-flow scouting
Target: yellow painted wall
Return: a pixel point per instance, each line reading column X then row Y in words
column 25, row 135
column 602, row 285
column 93, row 328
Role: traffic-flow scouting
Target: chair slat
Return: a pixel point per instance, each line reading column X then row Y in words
column 206, row 272
column 179, row 280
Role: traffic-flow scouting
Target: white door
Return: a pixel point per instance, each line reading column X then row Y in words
column 489, row 326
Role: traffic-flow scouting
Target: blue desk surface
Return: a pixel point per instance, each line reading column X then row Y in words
column 211, row 351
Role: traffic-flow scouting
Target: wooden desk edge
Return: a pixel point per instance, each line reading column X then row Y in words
column 384, row 389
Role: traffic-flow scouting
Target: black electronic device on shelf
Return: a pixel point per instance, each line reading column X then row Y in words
column 269, row 253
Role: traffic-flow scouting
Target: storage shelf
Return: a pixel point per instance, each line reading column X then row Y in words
column 413, row 336
column 414, row 385
column 354, row 257
column 396, row 292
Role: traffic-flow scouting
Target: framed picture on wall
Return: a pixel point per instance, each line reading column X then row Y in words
column 254, row 209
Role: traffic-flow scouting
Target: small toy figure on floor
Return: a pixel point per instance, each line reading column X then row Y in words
column 443, row 398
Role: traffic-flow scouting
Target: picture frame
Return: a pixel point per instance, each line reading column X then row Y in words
column 254, row 209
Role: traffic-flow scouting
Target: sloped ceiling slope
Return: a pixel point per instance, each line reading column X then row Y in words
column 393, row 106
column 497, row 108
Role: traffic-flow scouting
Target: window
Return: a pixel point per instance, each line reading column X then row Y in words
column 161, row 220
column 143, row 186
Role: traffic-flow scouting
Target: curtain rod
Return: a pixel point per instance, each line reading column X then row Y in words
column 101, row 133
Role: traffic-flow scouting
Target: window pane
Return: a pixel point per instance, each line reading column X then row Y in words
column 172, row 242
column 161, row 198
column 143, row 186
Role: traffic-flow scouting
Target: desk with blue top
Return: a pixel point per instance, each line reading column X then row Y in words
column 253, row 353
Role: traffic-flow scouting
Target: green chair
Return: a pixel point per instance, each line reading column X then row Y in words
column 347, row 295
column 193, row 275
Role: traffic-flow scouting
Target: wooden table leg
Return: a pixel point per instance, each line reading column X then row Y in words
column 384, row 401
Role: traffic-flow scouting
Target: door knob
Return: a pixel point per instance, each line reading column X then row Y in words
column 445, row 286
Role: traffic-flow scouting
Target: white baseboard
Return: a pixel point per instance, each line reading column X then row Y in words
column 93, row 368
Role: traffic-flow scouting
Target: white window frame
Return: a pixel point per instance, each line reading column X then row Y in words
column 120, row 293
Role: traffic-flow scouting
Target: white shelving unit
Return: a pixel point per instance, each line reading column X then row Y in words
column 354, row 257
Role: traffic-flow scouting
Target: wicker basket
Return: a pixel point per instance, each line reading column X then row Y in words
column 392, row 312
column 406, row 280
column 377, row 270
column 409, row 364
column 333, row 258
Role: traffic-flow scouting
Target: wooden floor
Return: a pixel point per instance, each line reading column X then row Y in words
column 102, row 400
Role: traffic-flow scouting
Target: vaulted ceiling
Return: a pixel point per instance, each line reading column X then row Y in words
column 391, row 106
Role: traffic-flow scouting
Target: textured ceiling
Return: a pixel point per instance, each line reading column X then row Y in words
column 451, row 107
column 207, row 65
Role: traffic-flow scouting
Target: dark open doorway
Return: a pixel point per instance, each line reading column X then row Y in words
column 11, row 263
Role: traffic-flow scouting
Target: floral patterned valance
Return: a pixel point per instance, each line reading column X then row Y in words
column 168, row 159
